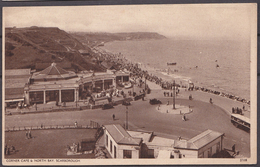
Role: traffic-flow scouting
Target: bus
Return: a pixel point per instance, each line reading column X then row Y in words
column 240, row 121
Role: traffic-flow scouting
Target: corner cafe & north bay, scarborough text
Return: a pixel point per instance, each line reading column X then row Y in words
column 42, row 160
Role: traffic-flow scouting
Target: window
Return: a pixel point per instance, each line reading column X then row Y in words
column 110, row 146
column 114, row 151
column 127, row 153
column 106, row 140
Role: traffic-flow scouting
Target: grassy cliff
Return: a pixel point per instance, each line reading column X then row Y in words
column 24, row 47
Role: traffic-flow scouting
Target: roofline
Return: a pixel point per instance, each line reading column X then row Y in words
column 201, row 146
column 212, row 140
column 123, row 143
column 186, row 148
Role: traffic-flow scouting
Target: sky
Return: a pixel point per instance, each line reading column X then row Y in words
column 205, row 21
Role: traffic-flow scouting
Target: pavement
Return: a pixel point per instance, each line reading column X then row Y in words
column 222, row 102
column 143, row 116
column 179, row 109
column 69, row 106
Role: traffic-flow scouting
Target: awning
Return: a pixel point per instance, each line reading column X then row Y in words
column 14, row 100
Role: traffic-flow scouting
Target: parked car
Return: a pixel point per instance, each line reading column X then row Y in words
column 107, row 106
column 155, row 101
column 126, row 103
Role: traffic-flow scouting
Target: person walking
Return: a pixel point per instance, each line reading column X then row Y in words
column 184, row 117
column 210, row 100
column 114, row 117
column 29, row 135
column 26, row 134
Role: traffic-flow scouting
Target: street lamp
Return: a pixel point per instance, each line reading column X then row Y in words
column 77, row 94
column 173, row 97
column 126, row 125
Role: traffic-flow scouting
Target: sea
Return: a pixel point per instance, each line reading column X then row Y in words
column 222, row 65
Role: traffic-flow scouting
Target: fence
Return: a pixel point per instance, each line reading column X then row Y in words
column 93, row 125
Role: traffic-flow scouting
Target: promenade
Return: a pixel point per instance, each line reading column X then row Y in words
column 143, row 116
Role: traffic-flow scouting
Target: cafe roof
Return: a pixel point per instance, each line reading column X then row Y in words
column 53, row 72
column 121, row 136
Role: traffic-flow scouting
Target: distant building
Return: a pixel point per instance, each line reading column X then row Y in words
column 84, row 52
column 122, row 76
column 140, row 144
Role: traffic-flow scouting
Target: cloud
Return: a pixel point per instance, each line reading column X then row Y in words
column 201, row 21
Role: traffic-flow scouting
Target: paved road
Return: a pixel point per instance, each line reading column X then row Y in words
column 144, row 116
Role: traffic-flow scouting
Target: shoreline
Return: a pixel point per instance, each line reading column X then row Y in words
column 181, row 80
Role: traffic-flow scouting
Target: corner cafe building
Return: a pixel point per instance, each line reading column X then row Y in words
column 59, row 85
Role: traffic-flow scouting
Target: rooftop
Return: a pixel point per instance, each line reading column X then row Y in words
column 146, row 136
column 161, row 141
column 200, row 140
column 121, row 136
column 16, row 82
column 122, row 73
column 15, row 72
column 14, row 93
column 53, row 72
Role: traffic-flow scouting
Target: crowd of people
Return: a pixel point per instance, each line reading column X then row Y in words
column 137, row 72
column 227, row 95
column 237, row 110
column 9, row 150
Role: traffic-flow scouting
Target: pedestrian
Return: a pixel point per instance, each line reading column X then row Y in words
column 13, row 148
column 114, row 116
column 26, row 134
column 29, row 135
column 244, row 107
column 76, row 124
column 168, row 102
column 7, row 151
column 234, row 148
column 184, row 117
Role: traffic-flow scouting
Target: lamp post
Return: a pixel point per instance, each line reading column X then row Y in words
column 77, row 94
column 173, row 96
column 126, row 125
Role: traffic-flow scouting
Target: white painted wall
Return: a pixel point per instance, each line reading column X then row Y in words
column 210, row 145
column 119, row 148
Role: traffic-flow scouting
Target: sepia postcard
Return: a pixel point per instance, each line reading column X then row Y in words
column 130, row 84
